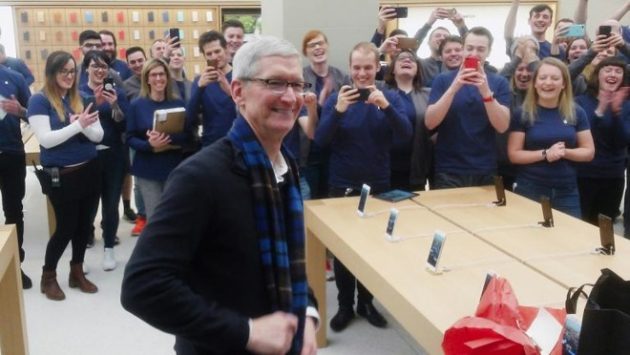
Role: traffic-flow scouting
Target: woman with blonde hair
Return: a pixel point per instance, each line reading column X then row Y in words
column 547, row 136
column 67, row 133
column 157, row 154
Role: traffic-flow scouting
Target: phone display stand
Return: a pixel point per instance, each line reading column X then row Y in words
column 499, row 189
column 438, row 271
column 606, row 236
column 392, row 238
column 547, row 221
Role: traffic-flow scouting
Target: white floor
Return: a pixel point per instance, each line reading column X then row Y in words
column 96, row 324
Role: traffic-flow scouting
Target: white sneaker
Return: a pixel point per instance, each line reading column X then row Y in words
column 109, row 262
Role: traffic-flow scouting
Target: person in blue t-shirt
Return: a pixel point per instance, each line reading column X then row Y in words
column 16, row 65
column 112, row 105
column 540, row 19
column 601, row 181
column 67, row 133
column 108, row 40
column 547, row 136
column 466, row 108
column 210, row 95
column 157, row 153
column 14, row 96
column 361, row 134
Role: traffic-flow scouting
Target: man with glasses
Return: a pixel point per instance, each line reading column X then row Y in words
column 90, row 40
column 360, row 131
column 210, row 95
column 234, row 281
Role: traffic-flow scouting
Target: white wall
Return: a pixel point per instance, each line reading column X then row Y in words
column 8, row 33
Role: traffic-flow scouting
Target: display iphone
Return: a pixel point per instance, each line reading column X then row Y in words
column 391, row 223
column 435, row 252
column 545, row 203
column 172, row 33
column 365, row 192
column 606, row 235
column 108, row 85
column 499, row 190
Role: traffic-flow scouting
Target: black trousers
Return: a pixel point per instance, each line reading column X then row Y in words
column 600, row 196
column 345, row 280
column 74, row 202
column 12, row 187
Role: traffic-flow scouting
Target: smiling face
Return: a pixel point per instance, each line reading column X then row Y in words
column 576, row 49
column 271, row 115
column 436, row 38
column 549, row 84
column 157, row 79
column 522, row 77
column 317, row 50
column 65, row 78
column 539, row 22
column 452, row 54
column 109, row 48
column 234, row 37
column 610, row 78
column 135, row 61
column 213, row 50
column 363, row 68
column 177, row 59
column 405, row 66
column 97, row 71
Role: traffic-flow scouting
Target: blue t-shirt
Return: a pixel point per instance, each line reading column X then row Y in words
column 146, row 163
column 360, row 140
column 549, row 128
column 401, row 150
column 112, row 130
column 12, row 83
column 292, row 140
column 77, row 149
column 466, row 139
column 216, row 107
column 19, row 66
column 121, row 68
column 611, row 136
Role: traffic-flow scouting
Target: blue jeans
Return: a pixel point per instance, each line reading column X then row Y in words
column 563, row 198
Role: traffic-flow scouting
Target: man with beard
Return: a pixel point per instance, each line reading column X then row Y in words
column 90, row 40
column 108, row 40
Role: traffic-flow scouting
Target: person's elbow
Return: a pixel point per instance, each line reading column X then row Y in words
column 430, row 119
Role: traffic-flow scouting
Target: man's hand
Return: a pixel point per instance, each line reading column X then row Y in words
column 272, row 334
column 377, row 98
column 13, row 106
column 209, row 75
column 309, row 346
column 389, row 46
column 347, row 96
column 310, row 100
column 385, row 14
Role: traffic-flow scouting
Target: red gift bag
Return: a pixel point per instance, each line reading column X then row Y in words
column 499, row 326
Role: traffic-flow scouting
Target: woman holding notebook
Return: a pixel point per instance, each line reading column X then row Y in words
column 157, row 153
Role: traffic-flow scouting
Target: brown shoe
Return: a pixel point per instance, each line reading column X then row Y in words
column 77, row 279
column 50, row 287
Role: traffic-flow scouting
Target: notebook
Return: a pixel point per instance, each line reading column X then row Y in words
column 169, row 121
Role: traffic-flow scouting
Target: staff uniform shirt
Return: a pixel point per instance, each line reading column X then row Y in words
column 466, row 139
column 121, row 68
column 216, row 107
column 20, row 67
column 401, row 150
column 147, row 163
column 360, row 140
column 549, row 128
column 611, row 135
column 113, row 130
column 12, row 83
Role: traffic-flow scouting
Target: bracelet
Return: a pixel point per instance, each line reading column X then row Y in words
column 544, row 154
column 489, row 98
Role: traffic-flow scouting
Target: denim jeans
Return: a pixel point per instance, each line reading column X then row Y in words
column 563, row 198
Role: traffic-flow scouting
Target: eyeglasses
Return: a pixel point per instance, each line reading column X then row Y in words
column 157, row 75
column 67, row 72
column 279, row 87
column 93, row 45
column 98, row 67
column 315, row 44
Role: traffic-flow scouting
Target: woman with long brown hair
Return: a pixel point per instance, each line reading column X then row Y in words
column 67, row 132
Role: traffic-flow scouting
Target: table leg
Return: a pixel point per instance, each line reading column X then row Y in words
column 316, row 273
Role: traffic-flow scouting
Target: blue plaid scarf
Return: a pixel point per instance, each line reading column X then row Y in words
column 280, row 226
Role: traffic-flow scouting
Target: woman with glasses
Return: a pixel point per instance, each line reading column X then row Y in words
column 601, row 181
column 157, row 154
column 67, row 132
column 111, row 103
column 412, row 159
column 547, row 136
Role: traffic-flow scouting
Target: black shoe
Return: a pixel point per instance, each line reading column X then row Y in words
column 116, row 240
column 129, row 214
column 26, row 281
column 370, row 313
column 90, row 242
column 341, row 320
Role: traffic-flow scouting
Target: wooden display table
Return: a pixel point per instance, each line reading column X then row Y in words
column 12, row 320
column 423, row 303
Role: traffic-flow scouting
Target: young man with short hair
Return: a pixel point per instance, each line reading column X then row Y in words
column 234, row 33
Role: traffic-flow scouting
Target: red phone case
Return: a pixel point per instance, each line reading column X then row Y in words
column 471, row 62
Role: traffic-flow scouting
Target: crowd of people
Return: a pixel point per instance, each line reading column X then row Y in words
column 554, row 121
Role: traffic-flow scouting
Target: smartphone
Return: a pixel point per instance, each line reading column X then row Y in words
column 365, row 192
column 606, row 235
column 391, row 223
column 108, row 85
column 452, row 12
column 471, row 62
column 408, row 43
column 172, row 33
column 604, row 30
column 212, row 63
column 575, row 30
column 364, row 93
column 545, row 203
column 435, row 252
column 402, row 12
column 499, row 189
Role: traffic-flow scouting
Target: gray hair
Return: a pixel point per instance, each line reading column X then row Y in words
column 246, row 61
